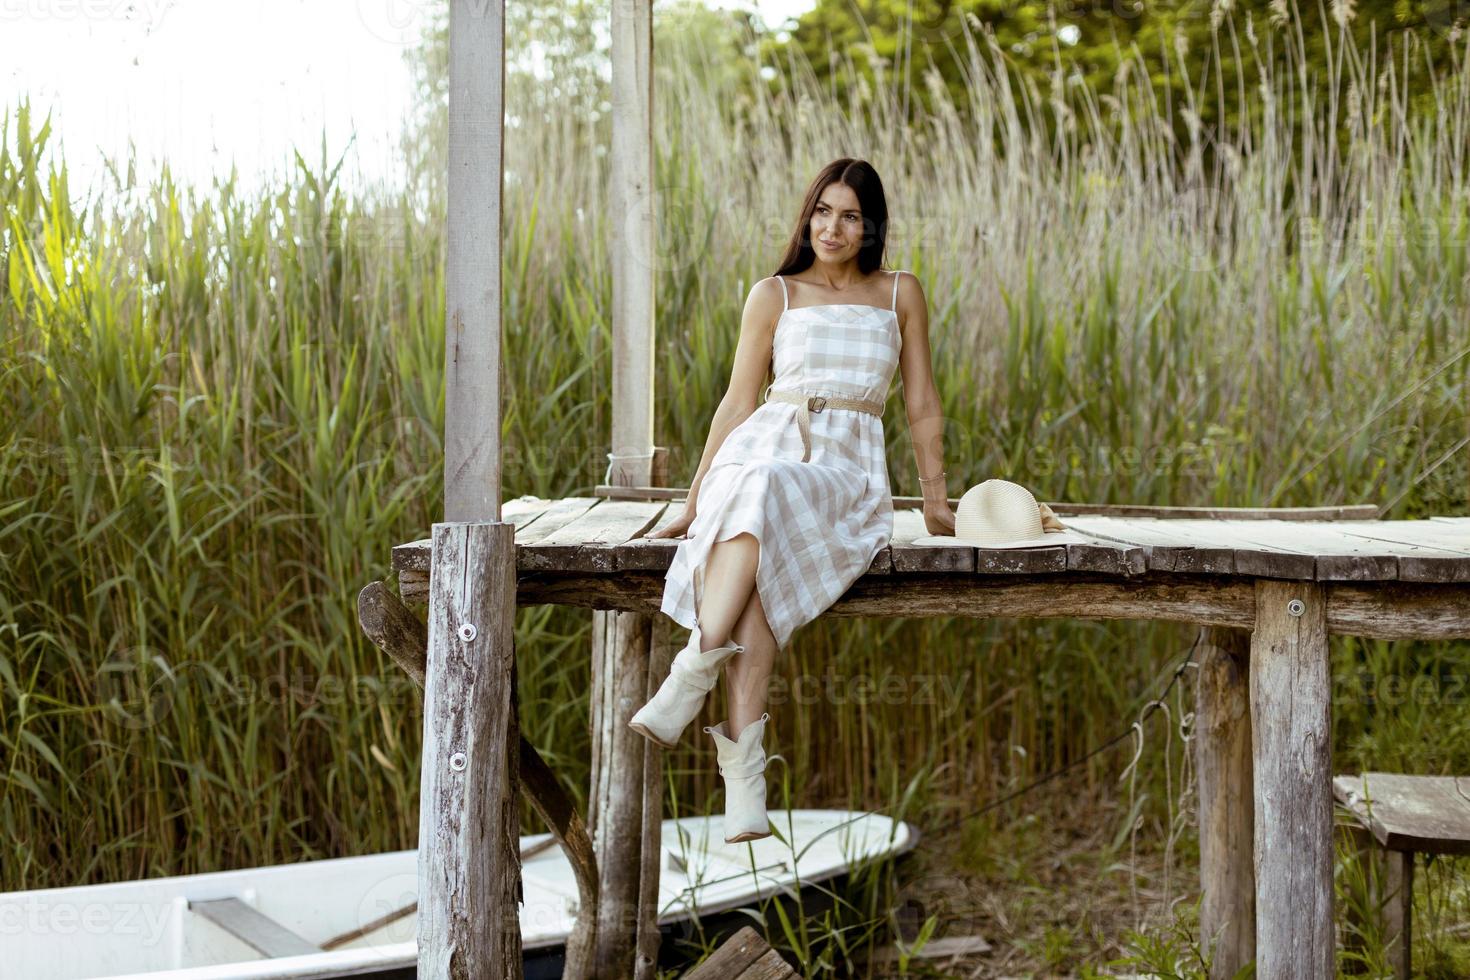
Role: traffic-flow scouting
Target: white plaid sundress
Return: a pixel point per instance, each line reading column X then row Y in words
column 820, row 523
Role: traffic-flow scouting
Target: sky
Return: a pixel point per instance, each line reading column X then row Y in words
column 204, row 83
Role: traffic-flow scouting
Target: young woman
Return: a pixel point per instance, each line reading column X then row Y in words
column 791, row 500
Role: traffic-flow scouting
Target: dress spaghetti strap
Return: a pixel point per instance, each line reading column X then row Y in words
column 784, row 298
column 896, row 274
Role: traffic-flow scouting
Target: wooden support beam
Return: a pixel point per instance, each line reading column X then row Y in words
column 1381, row 610
column 469, row 825
column 1388, row 877
column 620, row 651
column 1226, row 807
column 645, row 964
column 1398, row 917
column 472, row 286
column 627, row 822
column 1291, row 731
column 403, row 636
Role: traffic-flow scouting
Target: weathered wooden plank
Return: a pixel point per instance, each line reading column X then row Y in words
column 1430, row 814
column 521, row 512
column 554, row 518
column 1291, row 732
column 1335, row 512
column 651, row 553
column 1163, row 549
column 1323, row 551
column 1226, row 799
column 253, row 928
column 1414, row 551
column 469, row 825
column 1388, row 610
column 1337, row 556
column 1449, row 558
column 590, row 543
column 737, row 957
column 904, row 556
column 1255, row 554
column 1102, row 555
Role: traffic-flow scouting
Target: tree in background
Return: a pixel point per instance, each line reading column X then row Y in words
column 1059, row 50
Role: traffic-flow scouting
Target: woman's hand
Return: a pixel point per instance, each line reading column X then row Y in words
column 938, row 517
column 676, row 527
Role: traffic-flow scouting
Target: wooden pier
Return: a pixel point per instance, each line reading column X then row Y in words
column 1269, row 587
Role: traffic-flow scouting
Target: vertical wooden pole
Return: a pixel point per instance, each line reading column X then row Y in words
column 1291, row 714
column 469, row 807
column 627, row 778
column 472, row 457
column 469, row 812
column 1389, row 877
column 1226, row 800
column 1398, row 919
column 645, row 966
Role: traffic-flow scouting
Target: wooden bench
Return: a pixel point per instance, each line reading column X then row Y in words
column 1400, row 816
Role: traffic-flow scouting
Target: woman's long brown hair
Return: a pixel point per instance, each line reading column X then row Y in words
column 865, row 183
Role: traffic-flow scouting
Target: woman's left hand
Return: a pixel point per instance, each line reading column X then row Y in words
column 938, row 517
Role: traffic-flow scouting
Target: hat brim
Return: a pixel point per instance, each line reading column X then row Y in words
column 1049, row 539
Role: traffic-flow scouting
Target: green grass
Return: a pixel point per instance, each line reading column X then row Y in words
column 222, row 411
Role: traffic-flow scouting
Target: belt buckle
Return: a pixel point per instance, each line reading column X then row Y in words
column 816, row 403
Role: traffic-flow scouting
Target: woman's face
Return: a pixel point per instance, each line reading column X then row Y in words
column 837, row 224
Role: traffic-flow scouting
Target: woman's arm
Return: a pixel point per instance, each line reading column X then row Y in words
column 752, row 364
column 921, row 402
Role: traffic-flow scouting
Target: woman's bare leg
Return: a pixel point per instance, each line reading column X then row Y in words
column 748, row 676
column 729, row 581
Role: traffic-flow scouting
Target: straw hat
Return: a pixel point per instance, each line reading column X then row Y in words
column 1001, row 514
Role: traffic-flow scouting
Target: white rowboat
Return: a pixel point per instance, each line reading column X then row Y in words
column 354, row 917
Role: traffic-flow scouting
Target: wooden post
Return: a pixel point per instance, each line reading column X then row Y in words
column 626, row 807
column 1389, row 877
column 469, row 805
column 1398, row 918
column 472, row 458
column 401, row 635
column 469, row 813
column 1290, row 683
column 1226, row 807
column 645, row 965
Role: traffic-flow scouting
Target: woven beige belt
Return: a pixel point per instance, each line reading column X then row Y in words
column 819, row 403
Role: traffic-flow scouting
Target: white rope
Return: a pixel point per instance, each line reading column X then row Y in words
column 612, row 458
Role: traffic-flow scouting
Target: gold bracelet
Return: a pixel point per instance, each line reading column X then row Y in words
column 931, row 479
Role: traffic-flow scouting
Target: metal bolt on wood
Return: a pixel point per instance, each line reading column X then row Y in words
column 1296, row 607
column 457, row 761
column 467, row 632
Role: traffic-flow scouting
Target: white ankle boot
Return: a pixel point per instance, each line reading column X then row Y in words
column 682, row 693
column 743, row 765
